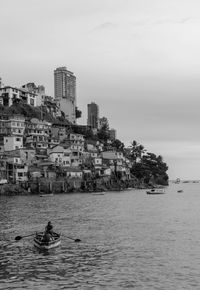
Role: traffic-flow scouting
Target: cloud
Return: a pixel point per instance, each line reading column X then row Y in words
column 183, row 20
column 105, row 26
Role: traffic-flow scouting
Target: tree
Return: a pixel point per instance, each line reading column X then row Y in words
column 152, row 169
column 136, row 151
column 103, row 133
column 118, row 144
column 104, row 123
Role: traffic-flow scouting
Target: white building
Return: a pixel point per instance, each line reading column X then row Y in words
column 10, row 95
column 12, row 125
column 13, row 142
column 60, row 156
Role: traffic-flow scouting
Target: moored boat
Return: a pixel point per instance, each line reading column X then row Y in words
column 43, row 244
column 98, row 193
column 155, row 191
column 46, row 195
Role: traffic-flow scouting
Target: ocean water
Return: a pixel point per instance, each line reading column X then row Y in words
column 129, row 240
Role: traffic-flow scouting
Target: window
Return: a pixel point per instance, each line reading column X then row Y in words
column 18, row 139
column 31, row 102
column 20, row 174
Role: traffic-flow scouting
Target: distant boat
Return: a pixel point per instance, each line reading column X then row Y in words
column 98, row 193
column 177, row 180
column 46, row 195
column 180, row 190
column 156, row 191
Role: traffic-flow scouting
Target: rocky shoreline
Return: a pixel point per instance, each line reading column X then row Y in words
column 75, row 186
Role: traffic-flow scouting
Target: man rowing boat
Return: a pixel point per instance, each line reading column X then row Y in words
column 49, row 228
column 48, row 234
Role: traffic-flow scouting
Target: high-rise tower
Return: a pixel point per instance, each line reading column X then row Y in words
column 65, row 92
column 93, row 115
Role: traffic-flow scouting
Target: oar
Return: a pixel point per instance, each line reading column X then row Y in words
column 75, row 240
column 17, row 238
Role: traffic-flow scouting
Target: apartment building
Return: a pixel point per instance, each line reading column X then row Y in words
column 65, row 92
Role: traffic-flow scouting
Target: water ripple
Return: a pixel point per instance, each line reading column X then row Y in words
column 129, row 241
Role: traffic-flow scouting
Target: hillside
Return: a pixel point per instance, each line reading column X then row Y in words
column 32, row 112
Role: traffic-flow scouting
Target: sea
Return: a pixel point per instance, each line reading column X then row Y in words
column 129, row 240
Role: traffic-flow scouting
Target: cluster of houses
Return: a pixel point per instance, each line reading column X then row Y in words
column 33, row 148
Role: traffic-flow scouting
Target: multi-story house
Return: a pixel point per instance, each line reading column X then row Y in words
column 12, row 125
column 60, row 156
column 59, row 132
column 11, row 95
column 37, row 133
column 94, row 145
column 114, row 159
column 76, row 143
column 11, row 132
column 53, row 141
column 27, row 155
column 16, row 169
column 12, row 143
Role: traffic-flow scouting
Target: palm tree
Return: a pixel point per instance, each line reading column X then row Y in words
column 136, row 150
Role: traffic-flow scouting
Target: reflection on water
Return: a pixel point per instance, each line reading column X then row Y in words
column 128, row 240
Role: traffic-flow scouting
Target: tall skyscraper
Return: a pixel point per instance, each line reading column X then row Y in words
column 65, row 92
column 93, row 115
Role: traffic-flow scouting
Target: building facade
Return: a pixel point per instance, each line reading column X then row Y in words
column 10, row 95
column 93, row 115
column 65, row 92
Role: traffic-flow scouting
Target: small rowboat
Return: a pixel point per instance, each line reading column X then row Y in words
column 40, row 243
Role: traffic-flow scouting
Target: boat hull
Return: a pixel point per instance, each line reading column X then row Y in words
column 155, row 191
column 43, row 245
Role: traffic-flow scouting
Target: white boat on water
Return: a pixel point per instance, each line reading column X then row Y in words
column 156, row 191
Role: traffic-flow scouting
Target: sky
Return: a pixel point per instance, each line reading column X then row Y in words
column 139, row 60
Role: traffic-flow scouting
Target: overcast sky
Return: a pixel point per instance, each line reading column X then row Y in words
column 139, row 60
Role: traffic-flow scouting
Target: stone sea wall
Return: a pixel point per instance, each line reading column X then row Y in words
column 46, row 186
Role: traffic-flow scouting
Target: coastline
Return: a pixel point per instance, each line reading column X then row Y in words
column 46, row 187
